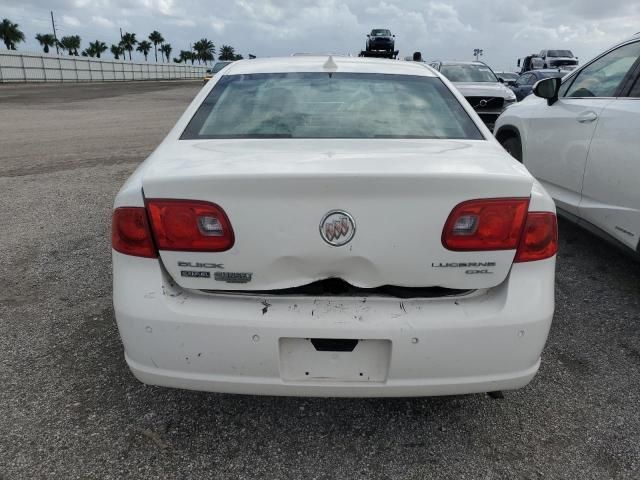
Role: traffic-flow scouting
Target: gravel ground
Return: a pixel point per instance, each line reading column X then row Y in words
column 71, row 409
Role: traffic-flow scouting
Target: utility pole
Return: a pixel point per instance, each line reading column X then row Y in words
column 55, row 35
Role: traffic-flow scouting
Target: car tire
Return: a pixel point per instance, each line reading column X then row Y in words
column 513, row 147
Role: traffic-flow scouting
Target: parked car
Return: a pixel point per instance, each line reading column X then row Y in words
column 381, row 40
column 480, row 86
column 524, row 85
column 558, row 59
column 215, row 69
column 333, row 227
column 579, row 137
column 508, row 78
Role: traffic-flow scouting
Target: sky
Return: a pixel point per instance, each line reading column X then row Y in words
column 441, row 30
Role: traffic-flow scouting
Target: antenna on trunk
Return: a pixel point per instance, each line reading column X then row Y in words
column 330, row 66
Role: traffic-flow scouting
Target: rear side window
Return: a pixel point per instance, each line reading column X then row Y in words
column 340, row 105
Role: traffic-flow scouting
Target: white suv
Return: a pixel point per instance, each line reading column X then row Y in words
column 486, row 92
column 333, row 227
column 582, row 142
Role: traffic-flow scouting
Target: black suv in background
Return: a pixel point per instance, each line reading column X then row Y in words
column 381, row 40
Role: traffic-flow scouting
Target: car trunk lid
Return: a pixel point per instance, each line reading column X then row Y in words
column 275, row 193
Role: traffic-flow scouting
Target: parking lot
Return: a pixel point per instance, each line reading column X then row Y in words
column 71, row 409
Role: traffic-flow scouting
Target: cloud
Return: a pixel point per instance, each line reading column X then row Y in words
column 70, row 21
column 444, row 29
column 102, row 22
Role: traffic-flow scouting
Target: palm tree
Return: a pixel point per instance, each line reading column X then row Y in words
column 70, row 43
column 184, row 56
column 128, row 41
column 166, row 50
column 144, row 47
column 117, row 50
column 46, row 40
column 227, row 52
column 205, row 50
column 98, row 47
column 10, row 34
column 157, row 39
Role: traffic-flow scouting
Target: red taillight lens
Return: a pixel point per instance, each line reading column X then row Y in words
column 487, row 224
column 130, row 232
column 539, row 238
column 189, row 225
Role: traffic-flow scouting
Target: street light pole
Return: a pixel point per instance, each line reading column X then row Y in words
column 477, row 52
column 55, row 35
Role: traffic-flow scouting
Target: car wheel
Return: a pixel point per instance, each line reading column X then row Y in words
column 513, row 147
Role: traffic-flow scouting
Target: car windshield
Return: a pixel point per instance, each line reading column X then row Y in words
column 508, row 76
column 339, row 105
column 219, row 66
column 468, row 73
column 560, row 53
column 380, row 33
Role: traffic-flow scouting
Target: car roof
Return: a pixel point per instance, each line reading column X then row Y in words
column 324, row 63
column 456, row 62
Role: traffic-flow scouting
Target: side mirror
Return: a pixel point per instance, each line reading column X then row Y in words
column 548, row 88
column 368, row 36
column 501, row 80
column 518, row 62
column 393, row 36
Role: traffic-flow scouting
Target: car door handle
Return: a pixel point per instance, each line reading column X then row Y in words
column 587, row 117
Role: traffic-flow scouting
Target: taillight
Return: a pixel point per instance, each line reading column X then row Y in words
column 189, row 225
column 130, row 232
column 539, row 238
column 486, row 224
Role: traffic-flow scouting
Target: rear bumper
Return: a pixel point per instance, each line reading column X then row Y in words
column 488, row 340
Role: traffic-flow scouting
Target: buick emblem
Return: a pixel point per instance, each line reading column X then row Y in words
column 483, row 103
column 337, row 228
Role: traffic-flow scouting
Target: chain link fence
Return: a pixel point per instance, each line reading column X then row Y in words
column 40, row 67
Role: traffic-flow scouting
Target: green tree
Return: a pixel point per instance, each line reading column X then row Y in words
column 144, row 47
column 128, row 42
column 166, row 49
column 157, row 39
column 46, row 41
column 10, row 34
column 70, row 43
column 205, row 50
column 98, row 47
column 117, row 50
column 227, row 52
column 184, row 57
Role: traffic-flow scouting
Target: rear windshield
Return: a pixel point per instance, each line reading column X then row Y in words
column 340, row 105
column 560, row 53
column 468, row 73
column 381, row 33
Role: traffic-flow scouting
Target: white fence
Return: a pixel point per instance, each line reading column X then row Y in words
column 40, row 67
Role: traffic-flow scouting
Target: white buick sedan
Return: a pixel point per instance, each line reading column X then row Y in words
column 333, row 227
column 581, row 141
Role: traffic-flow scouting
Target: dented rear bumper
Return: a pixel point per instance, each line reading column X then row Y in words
column 482, row 341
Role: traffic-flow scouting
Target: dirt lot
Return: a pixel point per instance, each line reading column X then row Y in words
column 71, row 409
